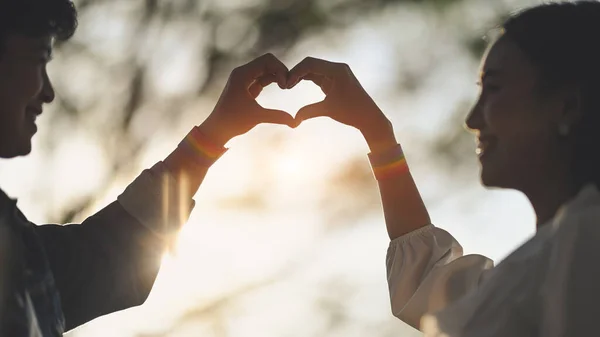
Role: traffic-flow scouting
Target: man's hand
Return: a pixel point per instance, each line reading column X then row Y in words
column 345, row 100
column 237, row 111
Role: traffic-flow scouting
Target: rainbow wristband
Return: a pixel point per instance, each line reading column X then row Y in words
column 200, row 148
column 388, row 164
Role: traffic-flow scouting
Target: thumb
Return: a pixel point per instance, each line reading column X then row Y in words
column 275, row 117
column 312, row 111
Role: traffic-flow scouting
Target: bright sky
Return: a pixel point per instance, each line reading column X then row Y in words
column 282, row 271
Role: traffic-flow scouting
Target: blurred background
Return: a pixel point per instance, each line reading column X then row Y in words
column 287, row 238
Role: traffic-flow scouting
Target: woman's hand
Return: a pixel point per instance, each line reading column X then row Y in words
column 237, row 111
column 345, row 101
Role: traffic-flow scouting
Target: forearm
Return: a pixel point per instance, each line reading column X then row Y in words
column 403, row 207
column 188, row 173
column 161, row 198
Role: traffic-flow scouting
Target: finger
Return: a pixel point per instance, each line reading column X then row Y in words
column 261, row 82
column 314, row 110
column 255, row 90
column 315, row 78
column 275, row 117
column 266, row 64
column 311, row 65
column 323, row 82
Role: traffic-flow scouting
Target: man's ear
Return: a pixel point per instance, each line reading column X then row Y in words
column 571, row 104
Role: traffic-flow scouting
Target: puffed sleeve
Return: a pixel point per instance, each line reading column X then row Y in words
column 572, row 284
column 426, row 270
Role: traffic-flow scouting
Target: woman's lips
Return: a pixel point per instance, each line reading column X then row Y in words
column 484, row 146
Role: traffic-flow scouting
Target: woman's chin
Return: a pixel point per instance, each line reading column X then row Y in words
column 489, row 177
column 492, row 178
column 487, row 182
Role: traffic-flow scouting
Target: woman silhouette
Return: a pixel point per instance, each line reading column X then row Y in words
column 537, row 122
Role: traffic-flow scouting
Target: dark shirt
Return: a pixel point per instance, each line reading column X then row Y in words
column 75, row 273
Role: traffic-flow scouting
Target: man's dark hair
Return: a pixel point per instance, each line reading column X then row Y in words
column 561, row 40
column 37, row 18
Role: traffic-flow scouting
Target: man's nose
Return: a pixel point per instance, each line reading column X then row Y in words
column 47, row 94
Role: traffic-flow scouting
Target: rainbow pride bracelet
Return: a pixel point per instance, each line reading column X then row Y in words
column 201, row 149
column 388, row 164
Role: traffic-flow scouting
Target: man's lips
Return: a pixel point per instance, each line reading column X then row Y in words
column 33, row 110
column 31, row 114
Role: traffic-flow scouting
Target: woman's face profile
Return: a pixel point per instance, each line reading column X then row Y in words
column 512, row 120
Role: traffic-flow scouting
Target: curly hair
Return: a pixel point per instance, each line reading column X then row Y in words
column 37, row 18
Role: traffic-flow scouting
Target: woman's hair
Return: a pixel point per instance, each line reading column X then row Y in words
column 37, row 18
column 562, row 40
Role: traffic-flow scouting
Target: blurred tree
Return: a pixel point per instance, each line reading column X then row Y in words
column 137, row 64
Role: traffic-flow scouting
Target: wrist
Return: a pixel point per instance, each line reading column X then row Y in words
column 380, row 138
column 213, row 132
column 388, row 163
column 195, row 150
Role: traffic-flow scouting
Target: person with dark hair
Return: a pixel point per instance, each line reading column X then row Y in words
column 537, row 124
column 54, row 278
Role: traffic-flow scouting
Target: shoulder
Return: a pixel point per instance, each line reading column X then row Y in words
column 575, row 237
column 579, row 219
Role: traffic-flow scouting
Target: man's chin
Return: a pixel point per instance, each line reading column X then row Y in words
column 15, row 150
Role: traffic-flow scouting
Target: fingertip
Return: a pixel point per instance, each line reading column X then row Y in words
column 291, row 83
column 281, row 80
column 311, row 111
column 291, row 122
column 299, row 117
column 289, row 80
column 276, row 117
column 295, row 123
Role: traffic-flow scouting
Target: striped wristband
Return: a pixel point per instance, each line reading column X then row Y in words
column 388, row 164
column 201, row 149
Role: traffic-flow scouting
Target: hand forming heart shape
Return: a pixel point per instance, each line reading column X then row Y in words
column 290, row 100
column 237, row 110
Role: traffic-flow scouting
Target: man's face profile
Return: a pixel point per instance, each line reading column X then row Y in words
column 24, row 88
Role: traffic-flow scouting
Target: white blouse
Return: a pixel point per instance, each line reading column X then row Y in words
column 550, row 286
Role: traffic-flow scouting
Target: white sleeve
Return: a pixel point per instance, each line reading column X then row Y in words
column 426, row 270
column 572, row 284
column 153, row 200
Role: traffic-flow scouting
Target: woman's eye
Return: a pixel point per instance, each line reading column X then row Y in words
column 489, row 88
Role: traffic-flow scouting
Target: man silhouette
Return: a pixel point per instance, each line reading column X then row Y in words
column 54, row 278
